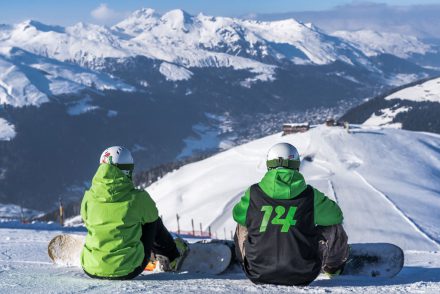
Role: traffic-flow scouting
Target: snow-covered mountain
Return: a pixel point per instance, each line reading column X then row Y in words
column 386, row 195
column 177, row 37
column 79, row 56
column 414, row 107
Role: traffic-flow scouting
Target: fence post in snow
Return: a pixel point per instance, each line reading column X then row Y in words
column 61, row 212
column 192, row 224
column 201, row 231
column 22, row 214
column 178, row 225
column 209, row 231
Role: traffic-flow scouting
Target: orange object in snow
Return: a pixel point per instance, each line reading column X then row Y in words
column 150, row 266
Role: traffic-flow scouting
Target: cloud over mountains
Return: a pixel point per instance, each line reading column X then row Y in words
column 420, row 20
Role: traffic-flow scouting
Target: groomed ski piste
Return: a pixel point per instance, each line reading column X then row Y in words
column 385, row 180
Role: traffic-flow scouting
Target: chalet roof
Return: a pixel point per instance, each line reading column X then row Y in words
column 293, row 125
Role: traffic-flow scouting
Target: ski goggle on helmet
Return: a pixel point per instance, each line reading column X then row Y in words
column 120, row 157
column 283, row 155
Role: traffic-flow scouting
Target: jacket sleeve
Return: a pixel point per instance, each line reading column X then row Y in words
column 84, row 208
column 147, row 206
column 240, row 209
column 327, row 212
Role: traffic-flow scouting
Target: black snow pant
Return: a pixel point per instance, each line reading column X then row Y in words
column 333, row 246
column 156, row 239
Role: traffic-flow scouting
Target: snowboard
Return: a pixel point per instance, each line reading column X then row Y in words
column 206, row 257
column 381, row 260
column 66, row 250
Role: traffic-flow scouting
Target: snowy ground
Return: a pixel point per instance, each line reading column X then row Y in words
column 26, row 268
column 385, row 180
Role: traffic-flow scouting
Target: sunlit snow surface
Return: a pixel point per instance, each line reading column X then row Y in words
column 26, row 268
column 385, row 180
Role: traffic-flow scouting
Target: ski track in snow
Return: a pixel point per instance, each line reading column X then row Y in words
column 400, row 211
column 334, row 195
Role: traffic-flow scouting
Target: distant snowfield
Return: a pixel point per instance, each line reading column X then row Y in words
column 427, row 91
column 386, row 117
column 385, row 180
column 373, row 43
column 173, row 72
column 7, row 130
column 15, row 211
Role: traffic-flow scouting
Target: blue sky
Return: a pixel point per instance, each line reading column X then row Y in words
column 69, row 12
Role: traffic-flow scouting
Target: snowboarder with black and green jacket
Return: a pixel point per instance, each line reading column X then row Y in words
column 123, row 224
column 288, row 231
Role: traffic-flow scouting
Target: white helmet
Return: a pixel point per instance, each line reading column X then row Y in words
column 283, row 155
column 119, row 157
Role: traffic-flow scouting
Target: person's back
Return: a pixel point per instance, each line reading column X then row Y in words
column 277, row 235
column 114, row 212
column 123, row 226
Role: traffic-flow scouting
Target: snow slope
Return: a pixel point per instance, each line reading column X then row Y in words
column 373, row 43
column 428, row 91
column 386, row 182
column 29, row 79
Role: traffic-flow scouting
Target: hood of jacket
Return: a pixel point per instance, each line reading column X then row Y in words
column 110, row 184
column 283, row 183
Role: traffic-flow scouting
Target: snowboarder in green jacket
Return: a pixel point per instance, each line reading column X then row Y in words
column 288, row 231
column 123, row 224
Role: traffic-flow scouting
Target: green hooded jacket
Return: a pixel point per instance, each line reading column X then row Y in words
column 287, row 184
column 114, row 212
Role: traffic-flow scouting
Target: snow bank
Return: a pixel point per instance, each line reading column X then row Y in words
column 7, row 130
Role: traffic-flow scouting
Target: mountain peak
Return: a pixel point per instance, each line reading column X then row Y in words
column 139, row 21
column 144, row 13
column 177, row 19
column 177, row 16
column 40, row 26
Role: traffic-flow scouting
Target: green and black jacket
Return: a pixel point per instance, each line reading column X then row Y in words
column 281, row 214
